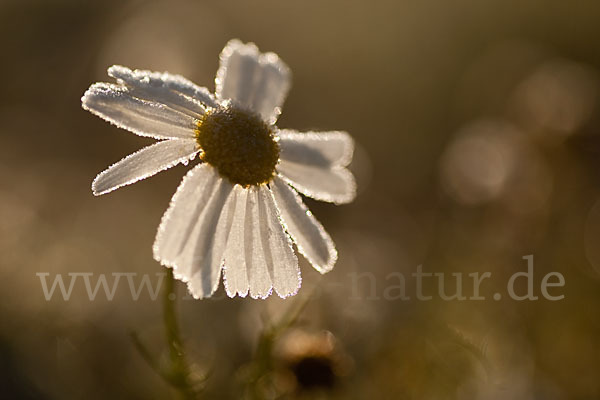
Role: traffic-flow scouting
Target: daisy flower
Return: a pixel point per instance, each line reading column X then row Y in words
column 238, row 211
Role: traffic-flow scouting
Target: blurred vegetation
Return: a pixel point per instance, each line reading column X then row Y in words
column 477, row 125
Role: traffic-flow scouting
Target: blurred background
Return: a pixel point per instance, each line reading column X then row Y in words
column 477, row 129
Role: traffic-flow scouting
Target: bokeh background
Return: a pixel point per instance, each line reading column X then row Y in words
column 477, row 128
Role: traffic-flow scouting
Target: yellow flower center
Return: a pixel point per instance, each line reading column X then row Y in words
column 239, row 144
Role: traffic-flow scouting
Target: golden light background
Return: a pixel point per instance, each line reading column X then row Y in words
column 477, row 129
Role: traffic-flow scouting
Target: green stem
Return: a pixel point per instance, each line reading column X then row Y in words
column 178, row 374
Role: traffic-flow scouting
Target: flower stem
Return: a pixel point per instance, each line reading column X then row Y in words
column 178, row 373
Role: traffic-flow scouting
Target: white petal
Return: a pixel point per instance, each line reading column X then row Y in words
column 316, row 148
column 171, row 90
column 199, row 263
column 118, row 106
column 235, row 276
column 193, row 232
column 215, row 258
column 258, row 273
column 308, row 234
column 256, row 81
column 144, row 163
column 335, row 185
column 185, row 208
column 281, row 261
column 314, row 163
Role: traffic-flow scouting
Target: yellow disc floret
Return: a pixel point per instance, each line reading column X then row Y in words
column 239, row 144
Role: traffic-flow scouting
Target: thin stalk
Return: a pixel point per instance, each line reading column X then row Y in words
column 178, row 375
column 177, row 371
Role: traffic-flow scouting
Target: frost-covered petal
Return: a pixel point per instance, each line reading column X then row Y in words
column 171, row 90
column 258, row 273
column 215, row 256
column 253, row 80
column 118, row 106
column 235, row 275
column 281, row 261
column 335, row 185
column 314, row 163
column 144, row 163
column 185, row 208
column 193, row 232
column 309, row 235
column 199, row 263
column 322, row 149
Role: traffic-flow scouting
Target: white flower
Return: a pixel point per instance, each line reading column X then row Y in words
column 239, row 209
